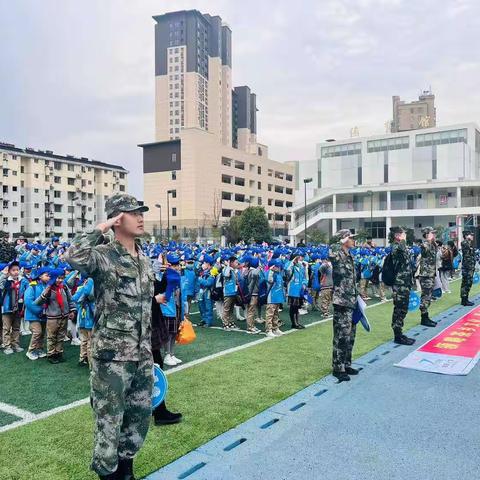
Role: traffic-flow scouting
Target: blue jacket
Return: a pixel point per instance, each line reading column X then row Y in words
column 189, row 280
column 84, row 298
column 316, row 286
column 230, row 279
column 276, row 290
column 297, row 279
column 34, row 305
column 7, row 293
column 206, row 283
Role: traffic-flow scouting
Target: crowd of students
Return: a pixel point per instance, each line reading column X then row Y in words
column 43, row 297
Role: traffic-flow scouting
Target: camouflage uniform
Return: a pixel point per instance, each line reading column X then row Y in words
column 121, row 371
column 427, row 272
column 468, row 268
column 402, row 284
column 344, row 302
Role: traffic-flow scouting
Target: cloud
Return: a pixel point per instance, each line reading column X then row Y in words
column 78, row 77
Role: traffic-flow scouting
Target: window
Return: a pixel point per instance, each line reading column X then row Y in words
column 57, row 165
column 259, row 185
column 259, row 170
column 174, row 175
column 57, row 180
column 278, row 189
column 341, row 150
column 57, row 222
column 122, row 188
column 239, row 197
column 226, row 212
column 70, row 181
column 174, row 193
column 71, row 168
column 57, row 194
column 22, row 169
column 279, row 203
column 226, row 196
column 36, row 220
column 289, row 177
column 105, row 184
column 174, row 211
column 57, row 208
column 240, row 181
column 270, row 187
column 36, row 205
column 439, row 138
column 386, row 144
column 227, row 162
column 174, row 157
column 226, row 179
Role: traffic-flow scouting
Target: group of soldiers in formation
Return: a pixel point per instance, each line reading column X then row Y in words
column 126, row 300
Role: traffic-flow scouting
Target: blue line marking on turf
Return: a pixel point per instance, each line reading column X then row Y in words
column 386, row 352
column 270, row 423
column 373, row 360
column 297, row 407
column 321, row 392
column 192, row 470
column 234, row 444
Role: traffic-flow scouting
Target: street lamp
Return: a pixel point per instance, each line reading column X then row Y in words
column 371, row 212
column 168, row 213
column 160, row 229
column 73, row 221
column 305, row 181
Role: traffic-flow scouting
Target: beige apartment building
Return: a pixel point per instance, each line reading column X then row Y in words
column 420, row 113
column 206, row 164
column 44, row 193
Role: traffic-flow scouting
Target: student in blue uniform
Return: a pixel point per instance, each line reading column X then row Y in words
column 297, row 282
column 85, row 301
column 275, row 298
column 206, row 282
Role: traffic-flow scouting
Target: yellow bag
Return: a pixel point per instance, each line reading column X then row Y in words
column 186, row 334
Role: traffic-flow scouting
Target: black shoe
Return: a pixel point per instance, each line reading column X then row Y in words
column 53, row 358
column 110, row 476
column 467, row 303
column 403, row 340
column 426, row 321
column 351, row 371
column 125, row 469
column 167, row 418
column 83, row 362
column 341, row 376
column 60, row 358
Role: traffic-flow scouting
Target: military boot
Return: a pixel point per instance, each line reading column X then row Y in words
column 466, row 302
column 402, row 339
column 426, row 321
column 341, row 376
column 110, row 476
column 163, row 416
column 125, row 469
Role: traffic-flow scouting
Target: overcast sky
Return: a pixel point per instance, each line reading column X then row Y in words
column 77, row 76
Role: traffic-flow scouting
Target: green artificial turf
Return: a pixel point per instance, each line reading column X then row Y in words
column 6, row 418
column 214, row 397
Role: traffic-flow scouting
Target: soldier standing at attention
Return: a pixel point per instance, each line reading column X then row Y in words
column 121, row 370
column 468, row 267
column 402, row 284
column 344, row 302
column 427, row 272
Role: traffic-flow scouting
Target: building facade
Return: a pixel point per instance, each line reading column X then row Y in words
column 414, row 179
column 420, row 113
column 44, row 193
column 206, row 158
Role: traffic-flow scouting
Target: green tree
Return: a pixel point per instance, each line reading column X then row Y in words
column 317, row 236
column 254, row 225
column 232, row 230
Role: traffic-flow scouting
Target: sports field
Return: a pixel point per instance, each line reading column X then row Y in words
column 214, row 395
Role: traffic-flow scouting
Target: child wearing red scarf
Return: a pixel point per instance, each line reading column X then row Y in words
column 59, row 308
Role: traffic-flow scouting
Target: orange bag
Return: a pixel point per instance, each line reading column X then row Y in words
column 186, row 334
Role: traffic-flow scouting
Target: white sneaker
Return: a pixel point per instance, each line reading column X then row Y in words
column 18, row 349
column 25, row 332
column 302, row 311
column 168, row 360
column 8, row 351
column 41, row 354
column 278, row 333
column 32, row 355
column 176, row 360
column 253, row 331
column 259, row 320
column 270, row 335
column 76, row 341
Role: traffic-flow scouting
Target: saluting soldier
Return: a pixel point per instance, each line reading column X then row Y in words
column 121, row 371
column 402, row 284
column 344, row 302
column 468, row 267
column 427, row 271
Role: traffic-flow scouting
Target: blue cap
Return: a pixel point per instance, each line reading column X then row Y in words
column 173, row 259
column 55, row 239
column 208, row 259
column 254, row 262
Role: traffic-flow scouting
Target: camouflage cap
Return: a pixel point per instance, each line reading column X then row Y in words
column 395, row 230
column 427, row 230
column 467, row 232
column 121, row 202
column 343, row 233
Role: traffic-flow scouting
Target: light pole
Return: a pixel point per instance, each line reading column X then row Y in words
column 371, row 212
column 160, row 228
column 73, row 220
column 168, row 214
column 305, row 181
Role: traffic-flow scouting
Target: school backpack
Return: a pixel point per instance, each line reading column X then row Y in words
column 263, row 289
column 388, row 271
column 217, row 290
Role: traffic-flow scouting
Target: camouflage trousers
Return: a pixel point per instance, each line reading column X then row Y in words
column 343, row 338
column 401, row 297
column 467, row 280
column 121, row 394
column 426, row 284
column 326, row 295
